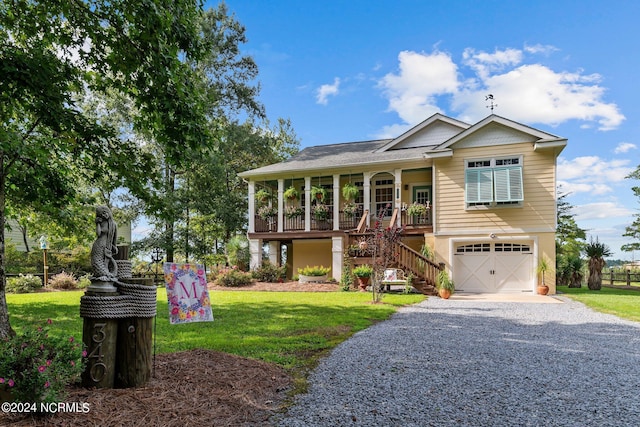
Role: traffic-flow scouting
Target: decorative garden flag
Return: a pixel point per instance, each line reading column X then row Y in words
column 187, row 293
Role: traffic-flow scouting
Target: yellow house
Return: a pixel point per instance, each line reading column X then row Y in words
column 489, row 190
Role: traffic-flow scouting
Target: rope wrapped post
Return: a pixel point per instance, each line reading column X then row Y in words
column 134, row 354
column 118, row 321
column 99, row 335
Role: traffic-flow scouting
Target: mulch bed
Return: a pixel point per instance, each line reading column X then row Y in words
column 197, row 387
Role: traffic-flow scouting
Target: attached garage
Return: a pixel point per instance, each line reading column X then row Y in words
column 493, row 267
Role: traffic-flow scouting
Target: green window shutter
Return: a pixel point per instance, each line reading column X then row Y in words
column 478, row 185
column 508, row 184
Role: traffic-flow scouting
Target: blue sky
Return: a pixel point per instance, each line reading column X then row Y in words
column 356, row 70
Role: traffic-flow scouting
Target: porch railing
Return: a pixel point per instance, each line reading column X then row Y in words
column 420, row 266
column 417, row 220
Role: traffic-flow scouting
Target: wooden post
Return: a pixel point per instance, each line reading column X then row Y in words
column 99, row 337
column 628, row 277
column 135, row 347
column 135, row 352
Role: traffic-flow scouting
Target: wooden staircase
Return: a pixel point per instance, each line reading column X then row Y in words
column 424, row 271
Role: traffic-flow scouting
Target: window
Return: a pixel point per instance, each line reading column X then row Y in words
column 494, row 182
column 384, row 196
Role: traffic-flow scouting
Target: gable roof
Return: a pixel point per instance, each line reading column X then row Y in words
column 435, row 137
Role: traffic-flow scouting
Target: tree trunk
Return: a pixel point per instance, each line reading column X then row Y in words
column 595, row 274
column 5, row 326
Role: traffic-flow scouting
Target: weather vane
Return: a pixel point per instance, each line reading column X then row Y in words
column 491, row 105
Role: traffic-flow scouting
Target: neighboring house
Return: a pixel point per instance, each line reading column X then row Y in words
column 490, row 187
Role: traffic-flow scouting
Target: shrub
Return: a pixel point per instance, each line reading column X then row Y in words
column 37, row 367
column 234, row 278
column 63, row 281
column 84, row 282
column 314, row 271
column 23, row 284
column 364, row 270
column 268, row 272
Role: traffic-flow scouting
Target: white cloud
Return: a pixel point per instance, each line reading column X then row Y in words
column 624, row 147
column 422, row 77
column 593, row 169
column 603, row 210
column 327, row 90
column 539, row 48
column 527, row 92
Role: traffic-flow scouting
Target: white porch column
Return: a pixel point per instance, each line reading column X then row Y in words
column 366, row 187
column 307, row 203
column 397, row 203
column 337, row 249
column 255, row 251
column 274, row 252
column 336, row 202
column 280, row 206
column 252, row 206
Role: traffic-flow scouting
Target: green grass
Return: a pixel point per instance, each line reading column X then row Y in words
column 624, row 303
column 291, row 329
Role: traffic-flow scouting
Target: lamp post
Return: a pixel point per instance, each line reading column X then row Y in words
column 156, row 257
column 44, row 247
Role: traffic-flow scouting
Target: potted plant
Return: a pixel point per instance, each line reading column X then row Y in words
column 543, row 266
column 445, row 285
column 416, row 209
column 350, row 209
column 267, row 212
column 313, row 274
column 363, row 273
column 262, row 196
column 349, row 192
column 291, row 193
column 321, row 211
column 293, row 212
column 318, row 193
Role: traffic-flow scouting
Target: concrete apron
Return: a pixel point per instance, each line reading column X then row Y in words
column 527, row 297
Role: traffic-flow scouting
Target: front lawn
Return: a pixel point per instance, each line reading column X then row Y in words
column 288, row 328
column 624, row 303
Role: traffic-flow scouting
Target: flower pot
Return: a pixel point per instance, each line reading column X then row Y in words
column 362, row 283
column 444, row 293
column 543, row 289
column 308, row 279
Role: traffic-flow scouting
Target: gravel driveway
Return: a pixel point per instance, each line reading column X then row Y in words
column 466, row 362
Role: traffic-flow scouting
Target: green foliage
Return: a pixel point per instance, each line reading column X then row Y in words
column 595, row 249
column 318, row 193
column 364, row 270
column 23, row 284
column 619, row 302
column 416, row 209
column 443, row 281
column 233, row 278
column 238, row 252
column 63, row 281
column 314, row 271
column 292, row 329
column 350, row 192
column 291, row 193
column 37, row 367
column 268, row 272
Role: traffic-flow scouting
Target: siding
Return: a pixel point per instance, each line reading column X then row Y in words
column 537, row 212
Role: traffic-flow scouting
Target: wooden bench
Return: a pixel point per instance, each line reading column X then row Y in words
column 393, row 276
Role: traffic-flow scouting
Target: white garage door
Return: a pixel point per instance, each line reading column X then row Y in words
column 493, row 267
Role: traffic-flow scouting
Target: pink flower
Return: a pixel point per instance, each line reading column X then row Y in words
column 41, row 368
column 11, row 383
column 72, row 363
column 49, row 321
column 1, row 380
column 46, row 385
column 71, row 339
column 84, row 353
column 48, row 362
